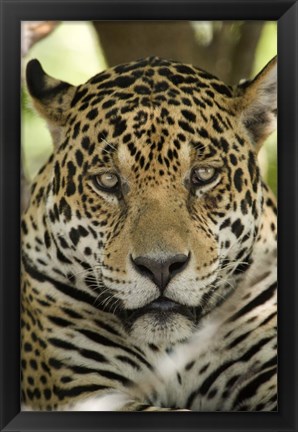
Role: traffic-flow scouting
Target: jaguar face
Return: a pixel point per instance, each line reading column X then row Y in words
column 152, row 198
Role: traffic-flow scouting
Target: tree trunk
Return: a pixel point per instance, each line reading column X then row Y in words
column 126, row 41
column 229, row 55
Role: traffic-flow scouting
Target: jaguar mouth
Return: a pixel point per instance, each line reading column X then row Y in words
column 161, row 308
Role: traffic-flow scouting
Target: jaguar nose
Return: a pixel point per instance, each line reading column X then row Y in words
column 160, row 271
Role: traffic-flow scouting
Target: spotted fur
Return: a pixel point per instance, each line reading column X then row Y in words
column 158, row 293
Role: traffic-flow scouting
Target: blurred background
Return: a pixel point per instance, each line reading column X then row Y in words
column 74, row 51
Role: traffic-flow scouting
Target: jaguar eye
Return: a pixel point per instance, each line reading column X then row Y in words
column 106, row 181
column 203, row 175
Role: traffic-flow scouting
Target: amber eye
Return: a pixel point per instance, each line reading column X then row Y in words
column 106, row 181
column 203, row 175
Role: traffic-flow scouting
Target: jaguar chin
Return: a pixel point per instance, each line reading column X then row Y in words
column 162, row 321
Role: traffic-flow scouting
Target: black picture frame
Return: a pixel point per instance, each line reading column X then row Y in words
column 12, row 13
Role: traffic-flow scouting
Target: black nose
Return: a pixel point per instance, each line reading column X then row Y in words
column 161, row 272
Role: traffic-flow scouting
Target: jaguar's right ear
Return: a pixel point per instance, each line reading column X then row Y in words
column 257, row 104
column 51, row 97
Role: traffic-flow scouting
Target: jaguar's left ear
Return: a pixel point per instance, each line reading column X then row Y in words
column 258, row 103
column 51, row 97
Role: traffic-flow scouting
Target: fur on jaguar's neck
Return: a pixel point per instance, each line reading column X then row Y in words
column 264, row 252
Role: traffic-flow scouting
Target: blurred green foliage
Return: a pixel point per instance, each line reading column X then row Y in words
column 72, row 53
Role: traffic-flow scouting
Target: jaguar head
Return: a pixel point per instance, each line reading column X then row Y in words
column 152, row 200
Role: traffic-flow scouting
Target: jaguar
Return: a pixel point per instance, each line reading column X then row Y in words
column 149, row 258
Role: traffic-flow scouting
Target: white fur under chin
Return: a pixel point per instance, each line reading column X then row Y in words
column 173, row 329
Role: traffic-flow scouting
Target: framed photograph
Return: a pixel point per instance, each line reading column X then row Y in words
column 144, row 148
